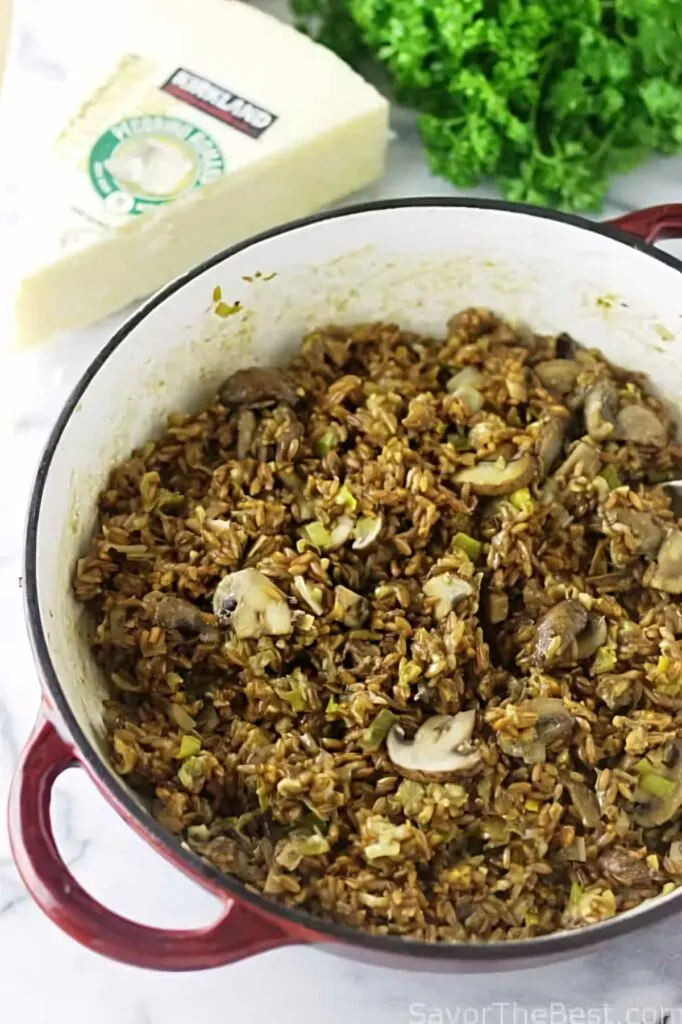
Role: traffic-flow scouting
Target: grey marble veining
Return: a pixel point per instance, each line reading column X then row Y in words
column 45, row 976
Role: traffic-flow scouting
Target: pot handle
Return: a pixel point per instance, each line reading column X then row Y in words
column 238, row 934
column 654, row 224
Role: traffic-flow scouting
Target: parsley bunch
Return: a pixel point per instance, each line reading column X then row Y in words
column 549, row 97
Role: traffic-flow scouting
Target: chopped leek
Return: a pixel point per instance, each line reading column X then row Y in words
column 375, row 734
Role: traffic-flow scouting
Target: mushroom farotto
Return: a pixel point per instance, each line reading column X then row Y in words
column 393, row 633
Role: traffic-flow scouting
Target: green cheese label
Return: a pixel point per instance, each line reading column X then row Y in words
column 144, row 161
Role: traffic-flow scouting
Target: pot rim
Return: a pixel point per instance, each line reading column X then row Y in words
column 203, row 872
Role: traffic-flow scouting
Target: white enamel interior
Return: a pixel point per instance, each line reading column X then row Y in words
column 413, row 265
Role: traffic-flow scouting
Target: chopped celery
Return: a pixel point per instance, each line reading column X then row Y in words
column 469, row 545
column 325, row 443
column 189, row 746
column 522, row 500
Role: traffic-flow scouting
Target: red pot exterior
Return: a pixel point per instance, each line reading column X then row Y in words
column 248, row 924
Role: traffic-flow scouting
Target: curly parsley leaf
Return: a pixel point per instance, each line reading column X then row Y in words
column 549, row 97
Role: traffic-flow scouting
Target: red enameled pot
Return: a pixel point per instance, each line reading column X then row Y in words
column 416, row 262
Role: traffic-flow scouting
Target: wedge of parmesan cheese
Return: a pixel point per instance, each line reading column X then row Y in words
column 214, row 122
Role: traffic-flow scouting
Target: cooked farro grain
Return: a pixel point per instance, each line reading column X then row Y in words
column 394, row 634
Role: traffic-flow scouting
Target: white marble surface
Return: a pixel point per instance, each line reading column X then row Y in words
column 43, row 975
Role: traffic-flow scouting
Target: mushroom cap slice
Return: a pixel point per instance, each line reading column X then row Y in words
column 666, row 574
column 251, row 605
column 350, row 608
column 440, row 746
column 549, row 443
column 494, row 478
column 601, row 409
column 554, row 724
column 583, row 454
column 311, row 595
column 644, row 528
column 557, row 630
column 558, row 375
column 567, row 632
column 639, row 424
column 176, row 613
column 257, row 386
column 655, row 805
column 446, row 589
column 366, row 531
column 592, row 637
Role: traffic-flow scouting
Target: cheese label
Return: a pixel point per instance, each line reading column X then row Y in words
column 147, row 160
column 221, row 103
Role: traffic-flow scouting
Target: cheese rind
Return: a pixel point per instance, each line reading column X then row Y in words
column 188, row 146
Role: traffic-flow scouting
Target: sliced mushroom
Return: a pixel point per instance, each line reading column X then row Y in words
column 637, row 423
column 311, row 595
column 673, row 490
column 499, row 477
column 256, row 387
column 366, row 531
column 566, row 633
column 666, row 573
column 446, row 590
column 659, row 794
column 251, row 605
column 592, row 637
column 350, row 608
column 601, row 409
column 329, row 540
column 177, row 613
column 553, row 725
column 584, row 800
column 471, row 399
column 644, row 528
column 468, row 377
column 246, row 431
column 619, row 690
column 583, row 456
column 442, row 745
column 558, row 375
column 624, row 869
column 549, row 443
